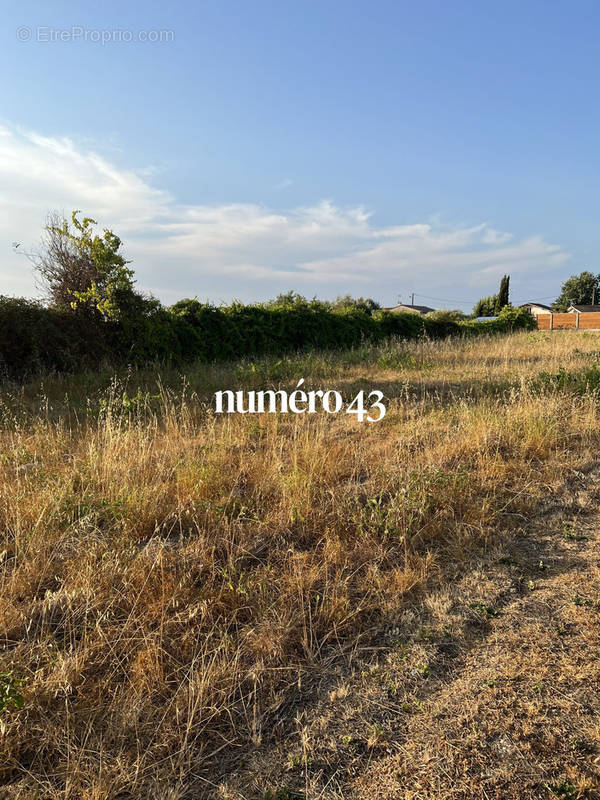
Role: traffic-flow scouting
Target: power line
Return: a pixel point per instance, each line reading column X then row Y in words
column 468, row 302
column 445, row 300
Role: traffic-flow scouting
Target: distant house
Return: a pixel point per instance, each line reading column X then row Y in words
column 422, row 310
column 583, row 309
column 484, row 319
column 536, row 308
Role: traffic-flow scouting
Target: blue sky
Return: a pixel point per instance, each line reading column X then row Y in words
column 379, row 148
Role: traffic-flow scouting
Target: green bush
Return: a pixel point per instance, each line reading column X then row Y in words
column 440, row 324
column 405, row 326
column 508, row 320
column 38, row 339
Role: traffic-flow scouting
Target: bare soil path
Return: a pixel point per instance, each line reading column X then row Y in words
column 489, row 686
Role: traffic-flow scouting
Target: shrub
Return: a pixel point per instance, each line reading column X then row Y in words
column 38, row 339
column 404, row 326
column 440, row 324
column 508, row 320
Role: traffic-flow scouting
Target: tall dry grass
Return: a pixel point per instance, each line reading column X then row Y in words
column 172, row 582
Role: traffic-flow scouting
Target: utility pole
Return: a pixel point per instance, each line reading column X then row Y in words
column 412, row 299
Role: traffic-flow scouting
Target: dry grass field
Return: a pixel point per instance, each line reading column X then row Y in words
column 279, row 607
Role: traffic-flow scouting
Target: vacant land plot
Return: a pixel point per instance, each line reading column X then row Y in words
column 288, row 606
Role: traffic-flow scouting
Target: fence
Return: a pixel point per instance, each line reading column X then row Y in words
column 572, row 321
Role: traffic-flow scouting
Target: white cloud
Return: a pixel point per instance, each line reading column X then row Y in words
column 245, row 250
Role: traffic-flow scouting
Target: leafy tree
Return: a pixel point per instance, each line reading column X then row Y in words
column 503, row 294
column 578, row 289
column 492, row 305
column 486, row 307
column 288, row 300
column 347, row 302
column 186, row 307
column 81, row 269
column 443, row 314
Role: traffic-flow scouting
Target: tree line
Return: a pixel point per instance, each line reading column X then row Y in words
column 93, row 315
column 582, row 289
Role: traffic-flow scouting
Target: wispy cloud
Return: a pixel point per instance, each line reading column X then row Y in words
column 244, row 250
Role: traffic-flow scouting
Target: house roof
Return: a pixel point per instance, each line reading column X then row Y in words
column 405, row 307
column 585, row 309
column 533, row 303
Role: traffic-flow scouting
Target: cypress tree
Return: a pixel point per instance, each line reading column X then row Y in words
column 503, row 294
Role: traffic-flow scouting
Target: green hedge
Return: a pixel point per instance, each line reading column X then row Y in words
column 36, row 339
column 509, row 319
